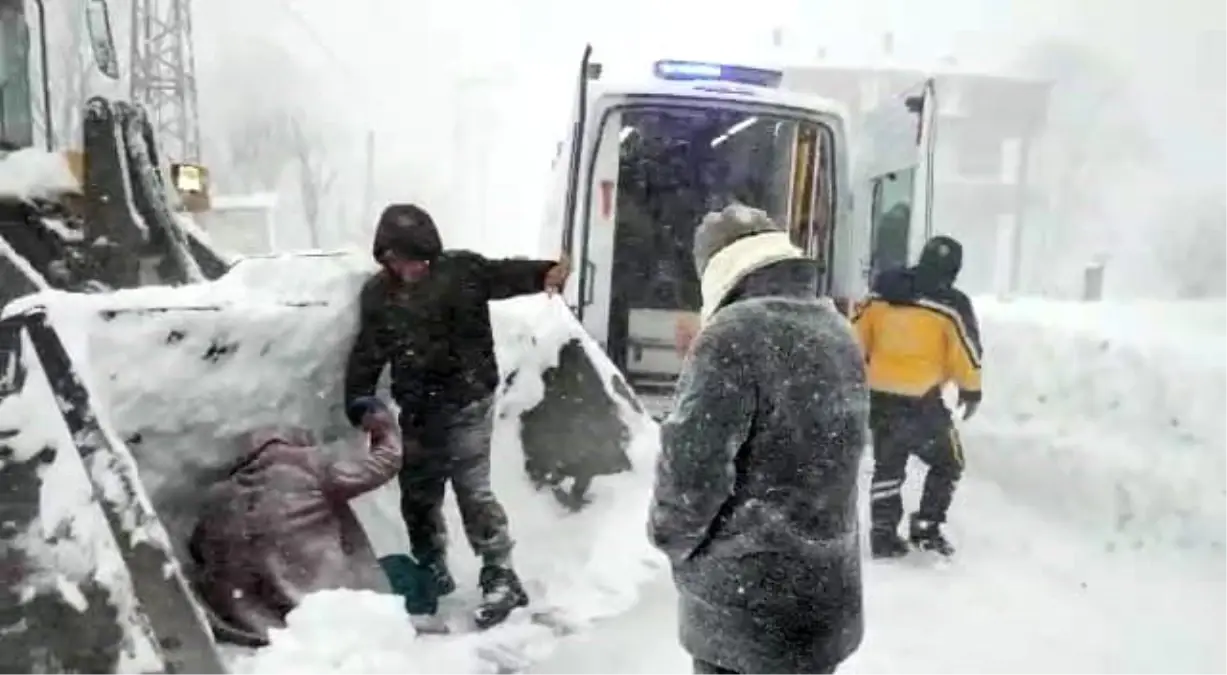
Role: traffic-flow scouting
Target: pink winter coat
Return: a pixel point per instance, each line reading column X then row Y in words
column 280, row 526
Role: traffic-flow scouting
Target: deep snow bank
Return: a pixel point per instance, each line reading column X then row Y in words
column 1109, row 415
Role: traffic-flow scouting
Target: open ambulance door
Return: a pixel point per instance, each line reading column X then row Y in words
column 897, row 164
column 577, row 431
column 924, row 107
column 560, row 227
column 597, row 224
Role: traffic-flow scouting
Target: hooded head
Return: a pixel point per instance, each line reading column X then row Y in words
column 730, row 244
column 940, row 260
column 406, row 240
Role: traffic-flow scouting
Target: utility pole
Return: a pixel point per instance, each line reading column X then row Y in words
column 164, row 74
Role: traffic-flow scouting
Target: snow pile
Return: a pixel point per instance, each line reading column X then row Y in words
column 185, row 373
column 321, row 635
column 32, row 172
column 1110, row 416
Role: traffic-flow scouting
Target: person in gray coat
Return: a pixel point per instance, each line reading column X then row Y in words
column 755, row 500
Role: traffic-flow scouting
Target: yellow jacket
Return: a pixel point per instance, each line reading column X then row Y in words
column 916, row 339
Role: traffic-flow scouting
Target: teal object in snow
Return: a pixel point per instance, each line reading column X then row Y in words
column 413, row 582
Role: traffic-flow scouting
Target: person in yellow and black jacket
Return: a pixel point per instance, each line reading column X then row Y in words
column 918, row 333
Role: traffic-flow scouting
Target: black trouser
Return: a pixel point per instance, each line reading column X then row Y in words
column 904, row 426
column 456, row 449
column 702, row 667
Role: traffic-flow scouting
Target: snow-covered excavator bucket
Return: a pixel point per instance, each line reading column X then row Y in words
column 88, row 578
column 166, row 381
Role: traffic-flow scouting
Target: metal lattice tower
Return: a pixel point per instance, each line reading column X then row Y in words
column 163, row 74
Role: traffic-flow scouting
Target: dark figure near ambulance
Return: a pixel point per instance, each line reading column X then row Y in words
column 918, row 333
column 426, row 313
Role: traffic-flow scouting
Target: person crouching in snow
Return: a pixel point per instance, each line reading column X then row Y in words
column 279, row 526
column 427, row 314
column 755, row 498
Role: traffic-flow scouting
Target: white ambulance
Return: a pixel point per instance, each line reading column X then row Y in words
column 644, row 162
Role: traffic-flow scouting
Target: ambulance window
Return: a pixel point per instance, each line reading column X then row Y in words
column 677, row 165
column 892, row 220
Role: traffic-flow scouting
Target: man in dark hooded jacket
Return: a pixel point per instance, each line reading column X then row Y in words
column 755, row 501
column 918, row 333
column 426, row 313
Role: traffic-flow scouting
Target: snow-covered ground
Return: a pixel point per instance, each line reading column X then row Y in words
column 1091, row 523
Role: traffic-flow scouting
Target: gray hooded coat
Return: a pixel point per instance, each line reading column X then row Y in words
column 755, row 500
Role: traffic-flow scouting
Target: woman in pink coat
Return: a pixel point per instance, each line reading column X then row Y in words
column 279, row 526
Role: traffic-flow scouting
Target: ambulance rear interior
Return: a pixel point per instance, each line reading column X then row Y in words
column 663, row 161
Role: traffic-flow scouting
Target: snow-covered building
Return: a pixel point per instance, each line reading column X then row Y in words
column 986, row 126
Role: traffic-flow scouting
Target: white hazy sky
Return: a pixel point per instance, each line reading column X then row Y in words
column 406, row 65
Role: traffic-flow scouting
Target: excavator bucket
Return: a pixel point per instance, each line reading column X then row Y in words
column 117, row 409
column 89, row 579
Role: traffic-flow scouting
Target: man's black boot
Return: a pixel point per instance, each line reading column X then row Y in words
column 886, row 543
column 501, row 592
column 926, row 535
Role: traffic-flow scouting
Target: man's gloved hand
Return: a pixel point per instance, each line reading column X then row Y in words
column 556, row 277
column 969, row 401
column 366, row 411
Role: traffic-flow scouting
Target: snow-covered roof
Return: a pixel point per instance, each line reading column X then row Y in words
column 724, row 91
column 33, row 172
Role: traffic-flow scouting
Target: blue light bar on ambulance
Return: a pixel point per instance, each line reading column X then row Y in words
column 699, row 70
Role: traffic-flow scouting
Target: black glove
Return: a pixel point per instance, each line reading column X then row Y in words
column 969, row 401
column 359, row 407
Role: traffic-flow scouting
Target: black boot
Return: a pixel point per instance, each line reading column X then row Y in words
column 886, row 543
column 436, row 567
column 501, row 592
column 926, row 535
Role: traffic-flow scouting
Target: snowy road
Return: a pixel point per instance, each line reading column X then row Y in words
column 1025, row 594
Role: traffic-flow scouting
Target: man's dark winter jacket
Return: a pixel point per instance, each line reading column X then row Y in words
column 756, row 495
column 435, row 332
